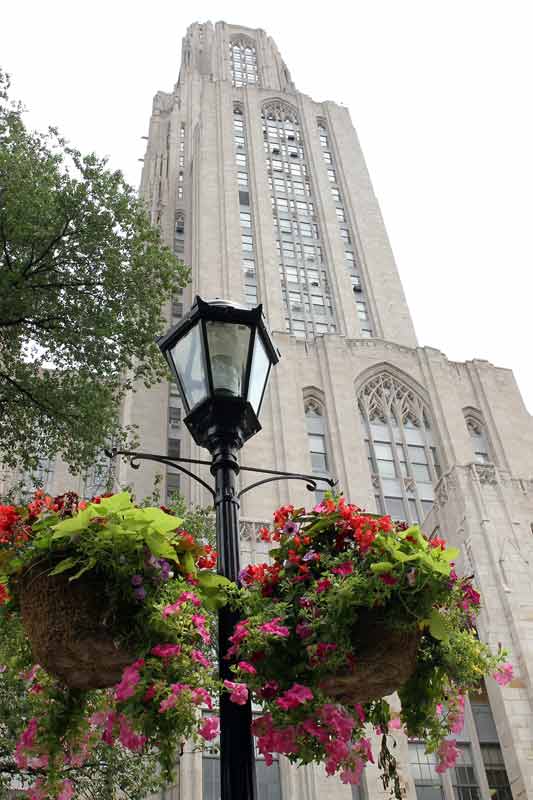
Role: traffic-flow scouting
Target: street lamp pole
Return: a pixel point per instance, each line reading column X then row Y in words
column 221, row 355
column 237, row 763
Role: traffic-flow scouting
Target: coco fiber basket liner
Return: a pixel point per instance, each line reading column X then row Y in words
column 384, row 659
column 69, row 627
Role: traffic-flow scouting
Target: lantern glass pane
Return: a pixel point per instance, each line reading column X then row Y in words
column 258, row 374
column 187, row 357
column 228, row 354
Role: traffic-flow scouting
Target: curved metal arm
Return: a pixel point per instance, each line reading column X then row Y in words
column 134, row 458
column 310, row 480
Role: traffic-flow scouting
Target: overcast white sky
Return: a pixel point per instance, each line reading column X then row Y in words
column 439, row 91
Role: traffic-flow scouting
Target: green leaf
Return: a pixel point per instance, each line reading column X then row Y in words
column 159, row 521
column 160, row 546
column 187, row 562
column 67, row 563
column 116, row 503
column 214, row 602
column 381, row 566
column 450, row 554
column 437, row 626
column 211, row 581
column 89, row 565
column 74, row 524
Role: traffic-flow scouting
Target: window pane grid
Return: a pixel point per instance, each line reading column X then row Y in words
column 363, row 315
column 298, row 236
column 402, row 472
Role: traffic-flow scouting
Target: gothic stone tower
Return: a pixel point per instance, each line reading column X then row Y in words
column 265, row 194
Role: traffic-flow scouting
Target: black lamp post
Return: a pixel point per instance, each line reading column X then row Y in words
column 221, row 355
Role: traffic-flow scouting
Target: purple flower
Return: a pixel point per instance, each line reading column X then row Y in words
column 291, row 527
column 310, row 556
column 140, row 593
column 136, row 580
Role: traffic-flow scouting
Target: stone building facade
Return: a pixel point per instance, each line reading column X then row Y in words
column 265, row 193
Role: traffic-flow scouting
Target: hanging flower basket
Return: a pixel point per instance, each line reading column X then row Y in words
column 350, row 609
column 70, row 628
column 113, row 597
column 386, row 659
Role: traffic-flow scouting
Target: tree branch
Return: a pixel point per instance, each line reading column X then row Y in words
column 33, row 261
column 7, row 257
column 38, row 323
column 49, row 411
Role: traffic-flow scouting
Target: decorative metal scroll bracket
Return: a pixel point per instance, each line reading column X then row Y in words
column 135, row 459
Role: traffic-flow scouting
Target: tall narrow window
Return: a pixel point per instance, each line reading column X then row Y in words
column 491, row 751
column 243, row 62
column 346, row 234
column 478, row 437
column 296, row 229
column 401, row 453
column 464, row 779
column 428, row 782
column 315, row 423
column 248, row 260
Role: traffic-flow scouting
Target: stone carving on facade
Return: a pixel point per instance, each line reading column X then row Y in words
column 246, row 530
column 280, row 111
column 441, row 493
column 384, row 396
column 486, row 474
column 375, row 481
column 242, row 41
column 409, row 484
column 249, row 529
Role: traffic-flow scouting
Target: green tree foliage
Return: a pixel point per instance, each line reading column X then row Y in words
column 83, row 277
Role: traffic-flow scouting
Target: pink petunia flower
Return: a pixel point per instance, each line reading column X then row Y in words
column 209, row 728
column 199, row 657
column 504, row 674
column 273, row 628
column 201, row 695
column 323, row 585
column 199, row 624
column 295, row 696
column 185, row 597
column 67, row 790
column 244, row 666
column 239, row 692
column 130, row 679
column 447, row 755
column 166, row 650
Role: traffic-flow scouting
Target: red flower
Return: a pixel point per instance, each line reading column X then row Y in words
column 388, row 579
column 209, row 559
column 343, row 569
column 264, row 534
column 436, row 541
column 4, row 596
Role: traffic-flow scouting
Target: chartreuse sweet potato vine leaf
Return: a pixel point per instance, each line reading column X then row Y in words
column 437, row 626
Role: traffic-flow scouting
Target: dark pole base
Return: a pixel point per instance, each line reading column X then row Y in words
column 237, row 756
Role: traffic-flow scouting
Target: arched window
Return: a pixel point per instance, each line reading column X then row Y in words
column 243, row 62
column 476, row 429
column 402, row 455
column 317, row 439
